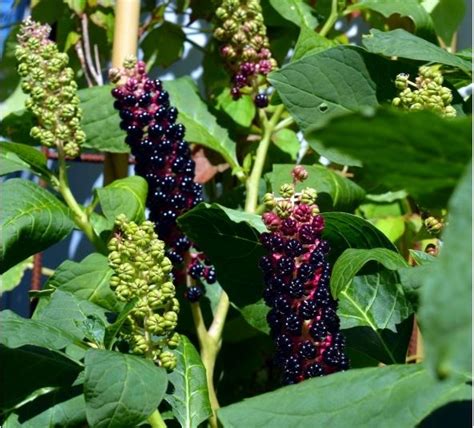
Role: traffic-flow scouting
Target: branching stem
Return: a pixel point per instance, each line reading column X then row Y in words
column 332, row 18
column 78, row 214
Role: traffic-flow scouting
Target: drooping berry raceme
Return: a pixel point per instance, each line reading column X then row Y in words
column 162, row 156
column 51, row 87
column 142, row 274
column 426, row 93
column 302, row 318
column 245, row 47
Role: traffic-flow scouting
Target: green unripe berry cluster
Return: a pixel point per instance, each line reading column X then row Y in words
column 51, row 88
column 426, row 93
column 142, row 275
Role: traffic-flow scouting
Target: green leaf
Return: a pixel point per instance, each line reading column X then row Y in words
column 351, row 261
column 64, row 407
column 87, row 280
column 367, row 347
column 446, row 15
column 163, row 45
column 26, row 369
column 241, row 111
column 20, row 157
column 230, row 238
column 32, row 215
column 256, row 315
column 121, row 390
column 296, row 11
column 190, row 398
column 201, row 126
column 344, row 231
column 310, row 42
column 447, row 284
column 403, row 44
column 405, row 8
column 77, row 6
column 332, row 82
column 421, row 258
column 18, row 331
column 344, row 193
column 13, row 276
column 388, row 197
column 362, row 396
column 100, row 121
column 112, row 330
column 287, row 141
column 67, row 312
column 16, row 127
column 124, row 196
column 8, row 64
column 414, row 154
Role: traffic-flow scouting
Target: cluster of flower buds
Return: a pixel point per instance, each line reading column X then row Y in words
column 162, row 156
column 245, row 47
column 433, row 225
column 302, row 318
column 142, row 275
column 426, row 93
column 51, row 87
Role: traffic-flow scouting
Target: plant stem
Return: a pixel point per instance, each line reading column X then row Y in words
column 332, row 18
column 155, row 420
column 261, row 155
column 284, row 123
column 79, row 216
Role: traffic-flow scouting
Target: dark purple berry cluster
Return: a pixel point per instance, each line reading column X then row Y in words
column 245, row 47
column 302, row 319
column 162, row 156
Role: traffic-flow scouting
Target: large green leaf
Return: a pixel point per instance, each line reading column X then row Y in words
column 310, row 42
column 20, row 157
column 400, row 150
column 201, row 126
column 28, row 368
column 351, row 262
column 64, row 407
column 446, row 15
column 163, row 45
column 17, row 331
column 189, row 398
column 403, row 44
column 124, row 196
column 344, row 231
column 67, row 312
column 296, row 11
column 121, row 390
column 446, row 294
column 368, row 346
column 344, row 193
column 405, row 8
column 31, row 220
column 13, row 276
column 395, row 396
column 87, row 280
column 100, row 121
column 241, row 111
column 332, row 82
column 230, row 238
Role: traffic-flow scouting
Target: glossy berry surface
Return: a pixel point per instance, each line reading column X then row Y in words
column 303, row 320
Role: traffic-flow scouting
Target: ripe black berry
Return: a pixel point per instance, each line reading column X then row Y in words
column 194, row 293
column 261, row 100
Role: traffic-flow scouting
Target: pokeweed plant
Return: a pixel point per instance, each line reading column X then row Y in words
column 292, row 249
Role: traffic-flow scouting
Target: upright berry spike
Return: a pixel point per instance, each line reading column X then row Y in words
column 162, row 157
column 245, row 47
column 302, row 319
